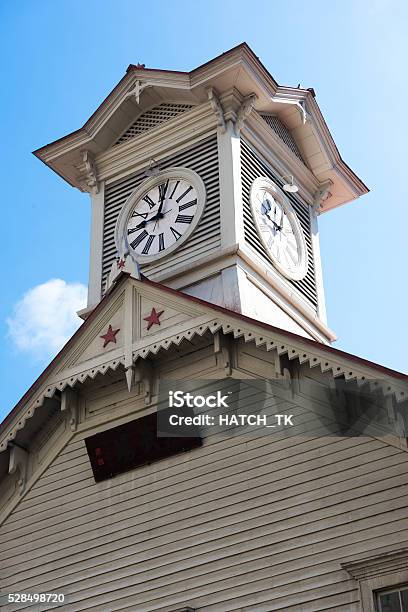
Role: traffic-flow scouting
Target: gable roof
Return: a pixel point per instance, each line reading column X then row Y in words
column 189, row 316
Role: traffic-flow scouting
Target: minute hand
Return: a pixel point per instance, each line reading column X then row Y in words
column 277, row 227
column 163, row 194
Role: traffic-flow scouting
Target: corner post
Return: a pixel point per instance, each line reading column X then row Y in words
column 95, row 256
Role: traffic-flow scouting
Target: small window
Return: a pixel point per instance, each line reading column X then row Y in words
column 131, row 445
column 393, row 601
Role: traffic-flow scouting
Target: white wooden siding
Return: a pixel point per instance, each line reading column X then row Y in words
column 263, row 523
column 255, row 524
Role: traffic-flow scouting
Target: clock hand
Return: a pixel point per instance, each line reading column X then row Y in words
column 158, row 217
column 155, row 217
column 162, row 196
column 276, row 226
column 141, row 224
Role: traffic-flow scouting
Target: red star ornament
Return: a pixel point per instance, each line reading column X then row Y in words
column 110, row 336
column 121, row 264
column 153, row 318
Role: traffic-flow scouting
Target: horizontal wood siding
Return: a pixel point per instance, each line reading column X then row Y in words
column 255, row 524
column 203, row 159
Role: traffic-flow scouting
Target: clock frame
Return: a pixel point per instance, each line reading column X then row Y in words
column 266, row 185
column 174, row 174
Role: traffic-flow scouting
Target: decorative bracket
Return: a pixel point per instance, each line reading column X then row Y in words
column 217, row 108
column 244, row 111
column 302, row 110
column 143, row 373
column 396, row 420
column 223, row 352
column 137, row 90
column 298, row 104
column 321, row 196
column 91, row 172
column 18, row 462
column 282, row 373
column 69, row 404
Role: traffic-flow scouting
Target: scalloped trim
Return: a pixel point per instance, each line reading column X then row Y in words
column 270, row 342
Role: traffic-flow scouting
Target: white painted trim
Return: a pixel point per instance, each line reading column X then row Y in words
column 314, row 232
column 387, row 571
column 158, row 143
column 96, row 246
column 229, row 159
column 278, row 155
column 285, row 305
column 276, row 282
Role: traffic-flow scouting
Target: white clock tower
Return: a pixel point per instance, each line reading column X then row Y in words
column 205, row 274
column 211, row 182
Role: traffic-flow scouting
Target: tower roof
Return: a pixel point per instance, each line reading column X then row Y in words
column 237, row 73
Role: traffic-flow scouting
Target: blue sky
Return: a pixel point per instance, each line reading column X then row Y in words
column 60, row 59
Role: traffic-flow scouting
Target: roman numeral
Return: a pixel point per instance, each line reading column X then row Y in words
column 136, row 214
column 149, row 201
column 148, row 244
column 174, row 189
column 184, row 218
column 175, row 233
column 184, row 194
column 139, row 239
column 162, row 190
column 161, row 242
column 187, row 205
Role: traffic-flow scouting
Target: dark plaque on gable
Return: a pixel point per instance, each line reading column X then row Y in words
column 131, row 445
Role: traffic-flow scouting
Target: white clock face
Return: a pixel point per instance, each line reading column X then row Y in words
column 279, row 228
column 161, row 214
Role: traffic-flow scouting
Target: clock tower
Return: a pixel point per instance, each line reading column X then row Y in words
column 205, row 288
column 211, row 182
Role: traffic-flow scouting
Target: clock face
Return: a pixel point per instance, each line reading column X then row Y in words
column 279, row 228
column 161, row 214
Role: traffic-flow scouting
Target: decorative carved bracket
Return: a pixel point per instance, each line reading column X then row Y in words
column 130, row 377
column 137, row 90
column 244, row 111
column 217, row 108
column 302, row 110
column 90, row 172
column 223, row 352
column 69, row 404
column 300, row 106
column 143, row 373
column 396, row 419
column 321, row 195
column 282, row 373
column 19, row 462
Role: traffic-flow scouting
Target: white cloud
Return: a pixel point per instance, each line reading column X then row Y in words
column 45, row 317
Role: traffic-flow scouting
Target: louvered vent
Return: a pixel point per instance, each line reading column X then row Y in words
column 203, row 159
column 153, row 117
column 252, row 166
column 282, row 131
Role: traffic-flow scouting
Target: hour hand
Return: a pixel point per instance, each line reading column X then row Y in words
column 275, row 225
